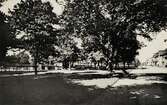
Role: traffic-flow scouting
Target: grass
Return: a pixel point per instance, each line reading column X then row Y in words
column 16, row 72
column 54, row 89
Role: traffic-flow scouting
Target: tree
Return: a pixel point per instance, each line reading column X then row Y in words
column 35, row 20
column 70, row 52
column 89, row 20
column 85, row 19
column 23, row 58
column 3, row 37
column 111, row 26
column 6, row 38
column 135, row 18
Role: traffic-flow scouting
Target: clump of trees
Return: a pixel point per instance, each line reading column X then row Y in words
column 110, row 27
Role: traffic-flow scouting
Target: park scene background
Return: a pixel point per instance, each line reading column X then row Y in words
column 83, row 52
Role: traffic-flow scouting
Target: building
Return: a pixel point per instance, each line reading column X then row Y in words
column 158, row 59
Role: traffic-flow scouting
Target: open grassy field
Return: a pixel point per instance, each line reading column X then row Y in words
column 54, row 89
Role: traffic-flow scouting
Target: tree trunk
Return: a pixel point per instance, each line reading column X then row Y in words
column 101, row 63
column 118, row 66
column 111, row 59
column 36, row 59
column 98, row 64
column 128, row 65
column 109, row 65
column 69, row 66
column 124, row 68
column 36, row 70
column 115, row 66
column 95, row 65
column 35, row 66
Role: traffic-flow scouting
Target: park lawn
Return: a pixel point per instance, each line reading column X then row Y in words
column 54, row 89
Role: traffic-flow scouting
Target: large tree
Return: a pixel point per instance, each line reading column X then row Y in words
column 35, row 21
column 131, row 18
column 112, row 26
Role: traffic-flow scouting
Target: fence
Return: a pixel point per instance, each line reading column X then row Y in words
column 28, row 68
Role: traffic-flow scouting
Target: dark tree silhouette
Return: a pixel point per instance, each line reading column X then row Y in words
column 35, row 20
column 6, row 38
column 3, row 37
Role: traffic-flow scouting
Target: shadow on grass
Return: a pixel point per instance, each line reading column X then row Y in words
column 55, row 89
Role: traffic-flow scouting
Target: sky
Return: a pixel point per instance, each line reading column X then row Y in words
column 152, row 46
column 144, row 53
column 10, row 3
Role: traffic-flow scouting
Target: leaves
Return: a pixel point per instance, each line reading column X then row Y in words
column 111, row 26
column 36, row 20
column 6, row 38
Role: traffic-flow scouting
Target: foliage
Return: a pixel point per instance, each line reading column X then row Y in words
column 70, row 52
column 3, row 36
column 6, row 38
column 35, row 20
column 112, row 26
column 23, row 58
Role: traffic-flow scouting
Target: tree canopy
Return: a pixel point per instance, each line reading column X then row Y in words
column 36, row 21
column 112, row 26
column 108, row 27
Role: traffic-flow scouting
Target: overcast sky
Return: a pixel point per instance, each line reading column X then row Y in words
column 10, row 3
column 153, row 46
column 144, row 53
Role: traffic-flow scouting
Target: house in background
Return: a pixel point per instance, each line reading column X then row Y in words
column 158, row 59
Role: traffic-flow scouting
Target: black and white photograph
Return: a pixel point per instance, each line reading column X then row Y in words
column 83, row 52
